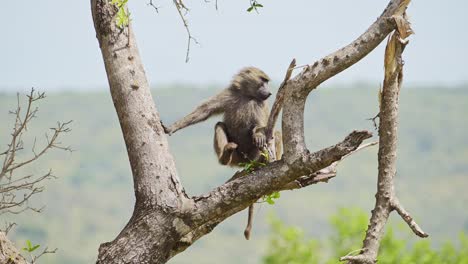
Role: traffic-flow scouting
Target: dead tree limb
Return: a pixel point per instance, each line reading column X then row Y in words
column 278, row 104
column 386, row 199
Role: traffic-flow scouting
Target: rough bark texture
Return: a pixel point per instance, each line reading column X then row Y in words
column 165, row 221
column 9, row 254
column 159, row 195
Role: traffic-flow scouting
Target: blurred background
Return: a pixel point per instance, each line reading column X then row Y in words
column 51, row 45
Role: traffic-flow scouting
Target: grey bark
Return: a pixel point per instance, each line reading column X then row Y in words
column 165, row 220
column 386, row 199
column 9, row 254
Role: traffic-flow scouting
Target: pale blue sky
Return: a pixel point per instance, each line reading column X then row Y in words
column 51, row 45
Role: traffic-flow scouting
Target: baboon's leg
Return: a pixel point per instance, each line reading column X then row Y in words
column 226, row 151
column 278, row 152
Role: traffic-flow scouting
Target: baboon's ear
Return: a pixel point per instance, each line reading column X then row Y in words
column 236, row 83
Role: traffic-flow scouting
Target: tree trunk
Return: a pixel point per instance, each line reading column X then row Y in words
column 157, row 188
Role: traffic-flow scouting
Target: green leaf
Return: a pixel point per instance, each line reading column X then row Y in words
column 28, row 243
column 34, row 248
column 270, row 201
column 258, row 5
column 250, row 9
column 266, row 155
column 122, row 18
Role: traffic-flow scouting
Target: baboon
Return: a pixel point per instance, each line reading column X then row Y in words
column 241, row 136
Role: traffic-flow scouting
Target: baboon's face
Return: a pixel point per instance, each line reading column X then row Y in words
column 253, row 83
column 263, row 90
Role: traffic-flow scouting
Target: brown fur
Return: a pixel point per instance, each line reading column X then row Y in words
column 241, row 136
column 245, row 114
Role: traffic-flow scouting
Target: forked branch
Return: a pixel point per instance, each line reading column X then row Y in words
column 386, row 200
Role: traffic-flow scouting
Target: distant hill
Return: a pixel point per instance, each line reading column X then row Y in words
column 92, row 199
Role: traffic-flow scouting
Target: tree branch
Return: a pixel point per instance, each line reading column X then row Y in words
column 386, row 200
column 323, row 69
column 237, row 194
column 323, row 175
column 278, row 104
column 395, row 204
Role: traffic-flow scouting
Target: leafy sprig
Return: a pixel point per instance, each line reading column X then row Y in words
column 30, row 247
column 252, row 165
column 123, row 15
column 254, row 4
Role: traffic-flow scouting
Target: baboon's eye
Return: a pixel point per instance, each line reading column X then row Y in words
column 264, row 79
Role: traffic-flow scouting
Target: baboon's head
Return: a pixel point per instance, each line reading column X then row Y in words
column 252, row 82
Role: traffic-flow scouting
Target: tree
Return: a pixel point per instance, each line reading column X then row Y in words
column 17, row 189
column 165, row 220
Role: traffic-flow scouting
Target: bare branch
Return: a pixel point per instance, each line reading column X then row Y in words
column 241, row 192
column 278, row 104
column 16, row 191
column 386, row 200
column 150, row 3
column 323, row 175
column 8, row 228
column 45, row 251
column 180, row 8
column 395, row 204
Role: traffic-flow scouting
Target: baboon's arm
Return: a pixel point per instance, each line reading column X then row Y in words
column 214, row 105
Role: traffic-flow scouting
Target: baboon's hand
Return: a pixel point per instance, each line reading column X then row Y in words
column 259, row 139
column 167, row 130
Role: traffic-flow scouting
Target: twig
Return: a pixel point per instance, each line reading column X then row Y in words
column 278, row 104
column 45, row 251
column 150, row 3
column 29, row 185
column 407, row 218
column 373, row 120
column 180, row 6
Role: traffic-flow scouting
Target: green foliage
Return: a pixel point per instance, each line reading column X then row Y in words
column 271, row 197
column 123, row 15
column 252, row 165
column 254, row 4
column 348, row 231
column 288, row 244
column 30, row 247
